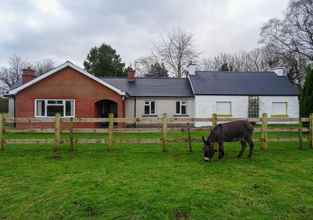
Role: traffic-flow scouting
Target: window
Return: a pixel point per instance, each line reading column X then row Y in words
column 181, row 108
column 253, row 108
column 50, row 107
column 223, row 108
column 279, row 108
column 149, row 108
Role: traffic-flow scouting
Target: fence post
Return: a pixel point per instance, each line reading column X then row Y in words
column 110, row 132
column 264, row 132
column 163, row 132
column 71, row 135
column 214, row 123
column 30, row 124
column 311, row 130
column 57, row 133
column 214, row 120
column 189, row 138
column 300, row 133
column 2, row 123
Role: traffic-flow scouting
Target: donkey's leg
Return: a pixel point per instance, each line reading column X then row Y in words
column 251, row 146
column 243, row 146
column 220, row 150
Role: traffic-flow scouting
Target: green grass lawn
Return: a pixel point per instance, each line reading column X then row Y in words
column 141, row 182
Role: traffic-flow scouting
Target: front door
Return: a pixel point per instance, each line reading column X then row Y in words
column 253, row 107
column 104, row 108
column 108, row 107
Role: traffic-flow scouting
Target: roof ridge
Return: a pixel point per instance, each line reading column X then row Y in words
column 168, row 78
column 232, row 72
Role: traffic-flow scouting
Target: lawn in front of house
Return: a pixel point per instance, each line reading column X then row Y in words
column 141, row 182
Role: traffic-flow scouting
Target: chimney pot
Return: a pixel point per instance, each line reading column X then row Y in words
column 191, row 68
column 28, row 74
column 131, row 74
column 280, row 71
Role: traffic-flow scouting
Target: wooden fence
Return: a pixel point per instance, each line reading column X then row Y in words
column 163, row 128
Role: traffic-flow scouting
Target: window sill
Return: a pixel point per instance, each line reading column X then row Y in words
column 279, row 116
column 224, row 115
column 53, row 116
column 146, row 116
column 181, row 115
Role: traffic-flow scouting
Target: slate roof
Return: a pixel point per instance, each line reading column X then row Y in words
column 204, row 83
column 152, row 87
column 241, row 83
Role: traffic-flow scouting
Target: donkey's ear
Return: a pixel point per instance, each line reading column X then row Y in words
column 203, row 139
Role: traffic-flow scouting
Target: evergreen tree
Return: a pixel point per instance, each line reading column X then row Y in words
column 306, row 99
column 104, row 61
column 226, row 67
column 157, row 70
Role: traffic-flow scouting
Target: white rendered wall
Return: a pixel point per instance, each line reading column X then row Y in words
column 11, row 107
column 292, row 105
column 162, row 104
column 205, row 106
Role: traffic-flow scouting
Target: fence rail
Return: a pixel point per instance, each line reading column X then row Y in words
column 163, row 127
column 154, row 120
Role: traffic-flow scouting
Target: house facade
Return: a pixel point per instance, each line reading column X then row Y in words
column 243, row 95
column 73, row 92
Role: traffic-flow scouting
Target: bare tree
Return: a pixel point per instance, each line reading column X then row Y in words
column 143, row 64
column 294, row 33
column 290, row 40
column 295, row 63
column 260, row 59
column 12, row 74
column 43, row 66
column 254, row 60
column 176, row 51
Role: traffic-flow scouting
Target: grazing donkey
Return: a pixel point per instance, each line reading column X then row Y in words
column 240, row 130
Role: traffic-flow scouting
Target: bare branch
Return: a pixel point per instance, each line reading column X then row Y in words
column 176, row 50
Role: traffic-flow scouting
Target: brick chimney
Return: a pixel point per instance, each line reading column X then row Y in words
column 131, row 74
column 28, row 74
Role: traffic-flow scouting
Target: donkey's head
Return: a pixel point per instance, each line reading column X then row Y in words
column 208, row 149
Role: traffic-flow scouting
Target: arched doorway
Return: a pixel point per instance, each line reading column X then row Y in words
column 104, row 108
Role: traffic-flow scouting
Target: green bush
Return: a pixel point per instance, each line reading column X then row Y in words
column 4, row 105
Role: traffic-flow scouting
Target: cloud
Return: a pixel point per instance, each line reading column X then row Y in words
column 62, row 30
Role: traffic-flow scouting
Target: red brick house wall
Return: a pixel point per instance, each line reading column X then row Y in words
column 67, row 84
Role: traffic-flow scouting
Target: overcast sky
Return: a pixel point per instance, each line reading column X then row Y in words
column 65, row 30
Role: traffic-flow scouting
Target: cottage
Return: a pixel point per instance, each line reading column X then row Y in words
column 73, row 92
column 243, row 94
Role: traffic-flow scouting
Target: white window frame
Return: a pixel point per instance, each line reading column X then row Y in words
column 46, row 106
column 181, row 103
column 282, row 114
column 155, row 107
column 224, row 114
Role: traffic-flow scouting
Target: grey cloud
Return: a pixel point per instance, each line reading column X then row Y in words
column 32, row 29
